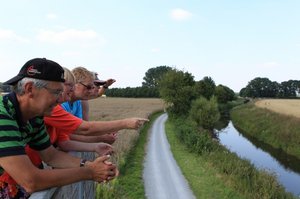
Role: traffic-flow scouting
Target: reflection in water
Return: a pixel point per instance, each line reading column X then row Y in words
column 222, row 123
column 286, row 167
column 287, row 161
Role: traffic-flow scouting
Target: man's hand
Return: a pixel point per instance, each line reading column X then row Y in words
column 103, row 149
column 109, row 82
column 102, row 169
column 135, row 123
column 109, row 138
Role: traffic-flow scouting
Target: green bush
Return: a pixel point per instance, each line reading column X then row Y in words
column 186, row 131
column 205, row 112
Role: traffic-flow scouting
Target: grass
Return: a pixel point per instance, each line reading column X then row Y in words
column 204, row 180
column 225, row 174
column 278, row 130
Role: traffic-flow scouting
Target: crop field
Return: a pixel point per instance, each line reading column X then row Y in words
column 283, row 106
column 119, row 108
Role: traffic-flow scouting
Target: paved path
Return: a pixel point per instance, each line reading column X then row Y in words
column 163, row 178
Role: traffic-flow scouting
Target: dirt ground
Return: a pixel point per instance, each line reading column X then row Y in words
column 283, row 106
column 120, row 108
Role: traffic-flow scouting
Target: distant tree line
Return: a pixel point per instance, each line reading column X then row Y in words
column 162, row 79
column 135, row 92
column 263, row 87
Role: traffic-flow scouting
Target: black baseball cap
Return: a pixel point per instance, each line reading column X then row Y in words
column 39, row 68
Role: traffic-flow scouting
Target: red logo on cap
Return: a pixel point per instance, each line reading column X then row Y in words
column 31, row 71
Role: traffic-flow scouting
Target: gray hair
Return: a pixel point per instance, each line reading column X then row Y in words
column 38, row 83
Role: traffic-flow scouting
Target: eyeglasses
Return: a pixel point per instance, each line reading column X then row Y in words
column 89, row 87
column 55, row 92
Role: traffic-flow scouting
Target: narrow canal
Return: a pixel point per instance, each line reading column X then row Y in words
column 263, row 156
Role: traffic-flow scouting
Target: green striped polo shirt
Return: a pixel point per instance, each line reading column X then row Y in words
column 15, row 134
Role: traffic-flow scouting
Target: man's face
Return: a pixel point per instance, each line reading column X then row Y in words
column 48, row 97
column 68, row 91
column 83, row 89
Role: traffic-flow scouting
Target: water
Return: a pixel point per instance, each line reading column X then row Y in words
column 286, row 167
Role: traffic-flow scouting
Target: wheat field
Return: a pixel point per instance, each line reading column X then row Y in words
column 118, row 108
column 289, row 107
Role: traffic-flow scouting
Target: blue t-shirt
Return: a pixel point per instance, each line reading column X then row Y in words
column 74, row 108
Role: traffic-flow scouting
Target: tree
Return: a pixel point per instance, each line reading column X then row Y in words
column 205, row 87
column 205, row 112
column 289, row 88
column 224, row 94
column 260, row 87
column 154, row 75
column 176, row 88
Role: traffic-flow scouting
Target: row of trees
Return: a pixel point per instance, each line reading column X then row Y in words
column 263, row 87
column 137, row 92
column 160, row 77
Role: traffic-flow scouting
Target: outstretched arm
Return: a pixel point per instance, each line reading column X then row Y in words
column 100, row 148
column 103, row 127
column 108, row 138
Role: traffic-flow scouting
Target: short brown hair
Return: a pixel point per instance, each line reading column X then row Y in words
column 81, row 74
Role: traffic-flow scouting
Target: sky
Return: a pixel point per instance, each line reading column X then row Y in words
column 231, row 41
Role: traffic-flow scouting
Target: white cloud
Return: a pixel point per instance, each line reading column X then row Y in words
column 71, row 35
column 155, row 50
column 180, row 14
column 51, row 16
column 11, row 36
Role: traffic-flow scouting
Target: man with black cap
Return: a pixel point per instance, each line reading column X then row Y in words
column 37, row 90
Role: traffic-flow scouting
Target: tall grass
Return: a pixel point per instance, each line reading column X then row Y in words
column 280, row 131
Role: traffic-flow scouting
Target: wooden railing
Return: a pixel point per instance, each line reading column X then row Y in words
column 80, row 190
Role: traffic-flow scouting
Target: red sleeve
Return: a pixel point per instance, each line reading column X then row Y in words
column 61, row 123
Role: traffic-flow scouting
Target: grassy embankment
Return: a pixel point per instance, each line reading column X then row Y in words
column 213, row 172
column 282, row 131
column 203, row 179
